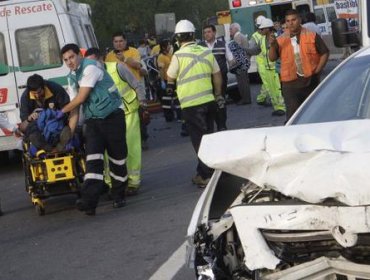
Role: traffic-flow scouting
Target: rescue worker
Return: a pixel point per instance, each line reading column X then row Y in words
column 105, row 128
column 303, row 55
column 270, row 79
column 198, row 79
column 169, row 103
column 223, row 55
column 133, row 96
column 254, row 44
column 40, row 95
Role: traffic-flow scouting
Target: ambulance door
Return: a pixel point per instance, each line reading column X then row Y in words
column 35, row 37
column 8, row 90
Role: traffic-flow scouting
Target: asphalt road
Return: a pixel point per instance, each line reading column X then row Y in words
column 140, row 241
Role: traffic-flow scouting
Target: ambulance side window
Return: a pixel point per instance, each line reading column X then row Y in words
column 4, row 69
column 38, row 48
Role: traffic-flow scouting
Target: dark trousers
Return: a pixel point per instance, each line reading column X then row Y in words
column 199, row 121
column 109, row 135
column 296, row 92
column 244, row 87
column 221, row 115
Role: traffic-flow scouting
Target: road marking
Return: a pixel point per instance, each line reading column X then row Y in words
column 169, row 269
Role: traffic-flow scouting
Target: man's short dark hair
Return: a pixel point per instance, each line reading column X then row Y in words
column 210, row 26
column 70, row 47
column 292, row 12
column 35, row 82
column 185, row 37
column 119, row 34
column 163, row 45
column 93, row 51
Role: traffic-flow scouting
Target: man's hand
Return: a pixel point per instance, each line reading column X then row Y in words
column 272, row 40
column 143, row 104
column 120, row 56
column 220, row 100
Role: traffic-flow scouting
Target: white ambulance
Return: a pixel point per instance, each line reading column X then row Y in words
column 32, row 34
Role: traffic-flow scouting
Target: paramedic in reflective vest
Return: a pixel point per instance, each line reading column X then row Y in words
column 303, row 55
column 133, row 96
column 105, row 128
column 223, row 55
column 255, row 49
column 266, row 68
column 199, row 80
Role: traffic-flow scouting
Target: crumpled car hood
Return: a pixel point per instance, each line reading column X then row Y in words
column 311, row 162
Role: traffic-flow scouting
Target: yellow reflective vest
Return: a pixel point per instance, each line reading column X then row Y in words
column 194, row 80
column 128, row 94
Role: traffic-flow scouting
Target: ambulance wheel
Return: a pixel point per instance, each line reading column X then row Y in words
column 40, row 210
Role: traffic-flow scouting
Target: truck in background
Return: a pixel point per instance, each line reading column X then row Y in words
column 351, row 29
column 31, row 36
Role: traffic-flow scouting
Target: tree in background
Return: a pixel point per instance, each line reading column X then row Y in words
column 136, row 18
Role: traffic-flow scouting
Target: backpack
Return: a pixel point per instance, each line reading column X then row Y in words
column 50, row 126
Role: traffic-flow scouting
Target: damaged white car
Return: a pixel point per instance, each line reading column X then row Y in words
column 291, row 202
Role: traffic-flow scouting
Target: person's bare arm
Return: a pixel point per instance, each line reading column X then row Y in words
column 322, row 62
column 273, row 51
column 217, row 83
column 73, row 118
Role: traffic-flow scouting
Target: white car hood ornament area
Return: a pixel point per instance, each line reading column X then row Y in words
column 311, row 162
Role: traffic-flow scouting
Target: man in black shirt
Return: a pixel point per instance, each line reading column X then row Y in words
column 40, row 95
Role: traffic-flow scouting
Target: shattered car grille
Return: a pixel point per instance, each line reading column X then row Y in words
column 294, row 247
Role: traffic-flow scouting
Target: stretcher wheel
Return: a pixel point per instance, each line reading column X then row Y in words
column 40, row 210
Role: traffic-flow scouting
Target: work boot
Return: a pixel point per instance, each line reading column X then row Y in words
column 119, row 203
column 278, row 113
column 132, row 191
column 83, row 206
column 198, row 180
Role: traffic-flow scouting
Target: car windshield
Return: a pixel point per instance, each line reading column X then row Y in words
column 344, row 96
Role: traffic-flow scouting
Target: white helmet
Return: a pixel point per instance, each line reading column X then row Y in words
column 259, row 20
column 266, row 23
column 184, row 26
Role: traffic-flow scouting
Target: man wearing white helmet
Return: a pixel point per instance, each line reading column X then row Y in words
column 198, row 79
column 266, row 68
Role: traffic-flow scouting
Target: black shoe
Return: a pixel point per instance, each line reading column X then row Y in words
column 243, row 103
column 119, row 203
column 278, row 113
column 105, row 189
column 184, row 133
column 132, row 191
column 84, row 206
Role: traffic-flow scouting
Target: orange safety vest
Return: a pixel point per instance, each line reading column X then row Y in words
column 309, row 55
